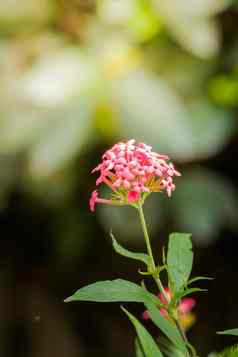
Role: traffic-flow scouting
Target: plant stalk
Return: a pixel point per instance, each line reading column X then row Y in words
column 157, row 278
column 150, row 253
column 192, row 349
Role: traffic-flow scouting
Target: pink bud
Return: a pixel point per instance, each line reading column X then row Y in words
column 133, row 196
column 93, row 200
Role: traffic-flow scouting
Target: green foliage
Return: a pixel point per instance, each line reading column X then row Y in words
column 185, row 291
column 233, row 332
column 166, row 326
column 169, row 349
column 179, row 260
column 229, row 352
column 139, row 351
column 197, row 278
column 179, row 267
column 150, row 348
column 118, row 290
column 126, row 253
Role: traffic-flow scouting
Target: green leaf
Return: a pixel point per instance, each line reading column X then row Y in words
column 179, row 260
column 126, row 253
column 186, row 292
column 198, row 278
column 169, row 349
column 167, row 327
column 139, row 351
column 148, row 344
column 233, row 332
column 117, row 290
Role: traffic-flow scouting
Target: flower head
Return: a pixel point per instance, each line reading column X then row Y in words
column 184, row 309
column 133, row 171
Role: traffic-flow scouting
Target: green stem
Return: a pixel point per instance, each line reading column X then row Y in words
column 157, row 278
column 183, row 334
column 146, row 236
column 149, row 251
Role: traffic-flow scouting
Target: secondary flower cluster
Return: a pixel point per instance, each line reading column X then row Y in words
column 184, row 309
column 132, row 170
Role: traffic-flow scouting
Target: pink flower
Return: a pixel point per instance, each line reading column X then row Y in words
column 93, row 200
column 133, row 171
column 186, row 305
column 146, row 315
column 183, row 309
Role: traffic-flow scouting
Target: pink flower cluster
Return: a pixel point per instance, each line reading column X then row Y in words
column 132, row 169
column 183, row 309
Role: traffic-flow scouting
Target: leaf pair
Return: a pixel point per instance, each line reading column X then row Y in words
column 117, row 291
column 120, row 290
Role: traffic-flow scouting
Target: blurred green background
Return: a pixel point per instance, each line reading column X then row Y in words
column 75, row 77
